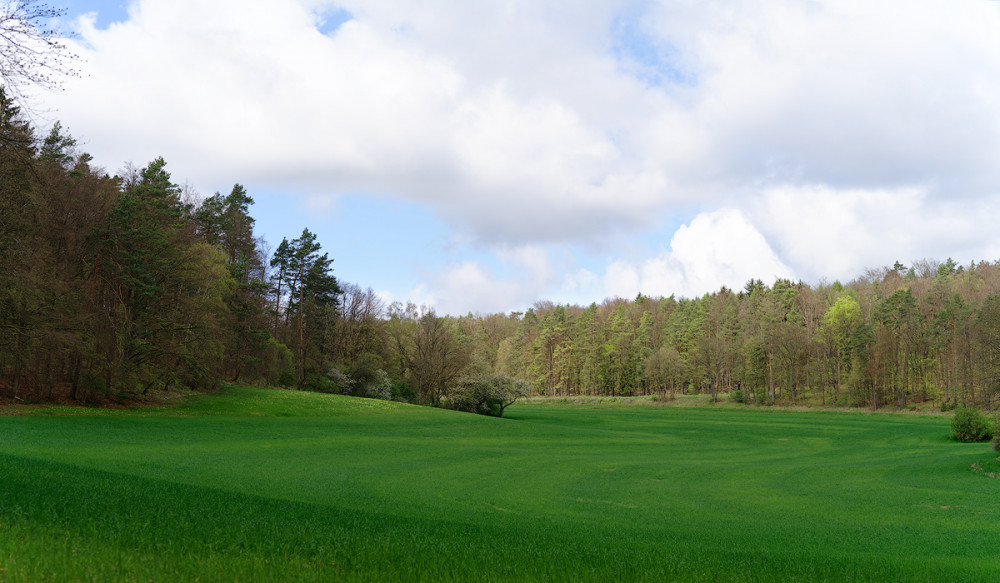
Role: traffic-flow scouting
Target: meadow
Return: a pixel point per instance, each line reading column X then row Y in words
column 257, row 484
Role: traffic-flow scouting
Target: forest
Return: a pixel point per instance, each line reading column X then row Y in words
column 112, row 286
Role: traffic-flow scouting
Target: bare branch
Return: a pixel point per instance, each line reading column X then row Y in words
column 31, row 52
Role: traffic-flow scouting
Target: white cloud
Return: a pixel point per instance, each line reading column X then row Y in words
column 825, row 233
column 469, row 109
column 505, row 113
column 830, row 131
column 580, row 281
column 237, row 89
column 717, row 249
column 522, row 275
column 848, row 93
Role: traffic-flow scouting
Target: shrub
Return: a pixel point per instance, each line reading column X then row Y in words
column 487, row 394
column 320, row 383
column 368, row 378
column 363, row 379
column 403, row 392
column 970, row 425
column 737, row 396
column 380, row 387
column 286, row 377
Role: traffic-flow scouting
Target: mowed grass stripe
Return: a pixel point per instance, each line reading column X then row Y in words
column 318, row 487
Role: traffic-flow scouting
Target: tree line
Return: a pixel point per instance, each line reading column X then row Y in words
column 125, row 283
column 115, row 286
column 119, row 285
column 894, row 337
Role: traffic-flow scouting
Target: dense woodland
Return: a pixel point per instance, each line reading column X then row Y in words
column 115, row 286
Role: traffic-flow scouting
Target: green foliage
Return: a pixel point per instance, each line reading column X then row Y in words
column 325, row 383
column 840, row 320
column 435, row 356
column 124, row 280
column 286, row 377
column 949, row 267
column 756, row 370
column 93, row 388
column 487, row 394
column 306, row 298
column 971, row 425
column 363, row 379
column 403, row 392
column 369, row 379
column 57, row 147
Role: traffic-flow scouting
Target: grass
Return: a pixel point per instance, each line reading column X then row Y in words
column 723, row 400
column 257, row 484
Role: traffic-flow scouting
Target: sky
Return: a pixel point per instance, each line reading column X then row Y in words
column 482, row 156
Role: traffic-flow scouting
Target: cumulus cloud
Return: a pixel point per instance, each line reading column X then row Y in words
column 823, row 233
column 717, row 249
column 846, row 93
column 498, row 115
column 503, row 112
column 830, row 132
column 231, row 88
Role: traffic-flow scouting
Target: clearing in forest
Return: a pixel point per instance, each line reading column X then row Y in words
column 257, row 484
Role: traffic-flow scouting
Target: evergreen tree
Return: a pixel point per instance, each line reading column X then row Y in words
column 225, row 223
column 20, row 292
column 160, row 293
column 312, row 294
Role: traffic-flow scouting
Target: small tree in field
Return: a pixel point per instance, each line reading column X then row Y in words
column 487, row 394
column 970, row 425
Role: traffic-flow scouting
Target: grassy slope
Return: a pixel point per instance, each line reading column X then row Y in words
column 262, row 484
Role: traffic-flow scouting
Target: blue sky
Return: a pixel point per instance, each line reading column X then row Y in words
column 106, row 11
column 483, row 156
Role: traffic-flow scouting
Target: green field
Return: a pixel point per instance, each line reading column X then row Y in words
column 257, row 485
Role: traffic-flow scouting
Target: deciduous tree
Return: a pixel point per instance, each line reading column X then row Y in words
column 32, row 53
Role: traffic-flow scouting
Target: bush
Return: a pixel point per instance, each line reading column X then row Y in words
column 380, row 387
column 737, row 396
column 343, row 381
column 487, row 394
column 368, row 378
column 286, row 377
column 970, row 425
column 995, row 442
column 320, row 383
column 361, row 380
column 403, row 392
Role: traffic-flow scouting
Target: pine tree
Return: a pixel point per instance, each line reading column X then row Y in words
column 162, row 289
column 20, row 215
